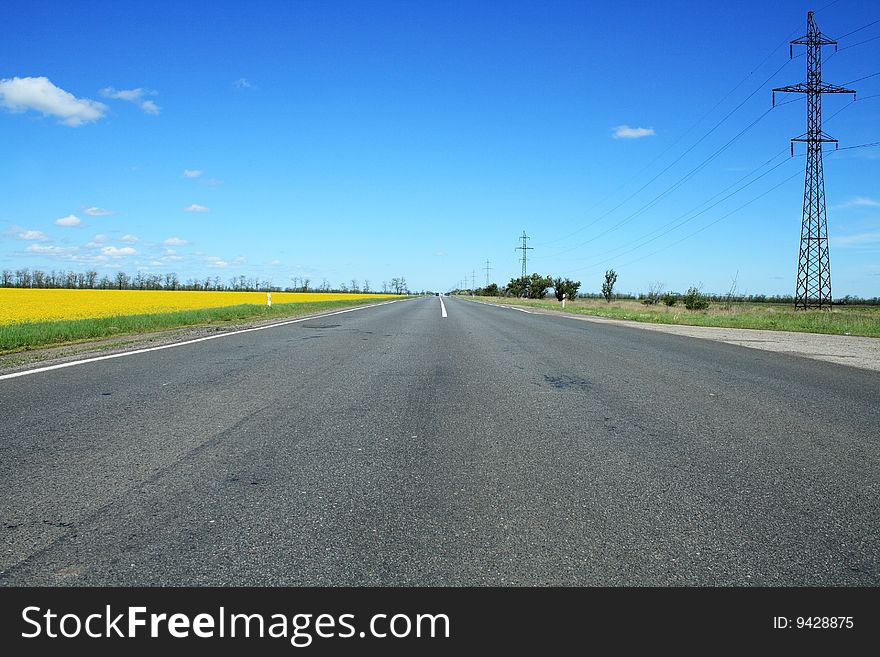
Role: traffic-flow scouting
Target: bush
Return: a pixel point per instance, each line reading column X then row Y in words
column 693, row 299
column 565, row 286
column 669, row 299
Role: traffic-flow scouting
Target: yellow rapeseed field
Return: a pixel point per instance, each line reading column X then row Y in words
column 28, row 305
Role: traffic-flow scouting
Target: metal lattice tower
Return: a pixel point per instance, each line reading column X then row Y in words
column 814, row 266
column 525, row 249
column 488, row 268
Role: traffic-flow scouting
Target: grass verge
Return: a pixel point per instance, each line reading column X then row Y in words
column 847, row 320
column 33, row 335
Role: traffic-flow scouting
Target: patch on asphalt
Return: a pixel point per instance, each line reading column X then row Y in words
column 567, row 382
column 319, row 326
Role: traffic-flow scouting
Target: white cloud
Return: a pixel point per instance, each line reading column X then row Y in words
column 131, row 95
column 39, row 94
column 128, row 239
column 195, row 207
column 135, row 96
column 50, row 250
column 856, row 240
column 69, row 220
column 97, row 241
column 240, row 260
column 859, row 202
column 97, row 212
column 625, row 132
column 192, row 173
column 214, row 261
column 117, row 252
column 150, row 107
column 242, row 83
column 32, row 236
column 275, row 263
column 175, row 241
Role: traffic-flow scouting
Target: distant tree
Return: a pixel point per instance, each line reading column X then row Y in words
column 538, row 286
column 121, row 280
column 366, row 286
column 608, row 284
column 567, row 287
column 6, row 278
column 23, row 278
column 518, row 287
column 491, row 290
column 653, row 295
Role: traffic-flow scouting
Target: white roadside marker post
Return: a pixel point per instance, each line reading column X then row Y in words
column 563, row 299
column 269, row 299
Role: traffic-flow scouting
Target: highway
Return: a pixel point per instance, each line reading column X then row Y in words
column 395, row 446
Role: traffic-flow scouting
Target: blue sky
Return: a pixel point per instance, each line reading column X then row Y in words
column 371, row 140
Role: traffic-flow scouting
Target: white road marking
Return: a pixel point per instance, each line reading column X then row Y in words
column 180, row 344
column 442, row 307
column 503, row 305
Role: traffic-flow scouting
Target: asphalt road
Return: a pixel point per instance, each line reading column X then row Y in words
column 393, row 446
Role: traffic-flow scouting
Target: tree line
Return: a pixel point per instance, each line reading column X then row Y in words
column 537, row 286
column 92, row 280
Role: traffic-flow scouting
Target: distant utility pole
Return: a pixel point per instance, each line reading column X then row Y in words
column 487, row 273
column 525, row 249
column 473, row 279
column 814, row 265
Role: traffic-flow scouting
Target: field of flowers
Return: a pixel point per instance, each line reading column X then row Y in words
column 38, row 305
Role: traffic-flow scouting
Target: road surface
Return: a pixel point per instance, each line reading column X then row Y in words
column 395, row 446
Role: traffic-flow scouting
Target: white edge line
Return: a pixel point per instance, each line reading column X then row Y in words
column 502, row 305
column 442, row 308
column 180, row 344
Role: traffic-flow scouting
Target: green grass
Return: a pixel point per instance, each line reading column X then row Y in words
column 33, row 335
column 842, row 320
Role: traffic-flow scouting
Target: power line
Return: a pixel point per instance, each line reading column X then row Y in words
column 671, row 188
column 853, row 45
column 696, row 211
column 873, row 75
column 712, row 223
column 863, row 27
column 682, row 136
